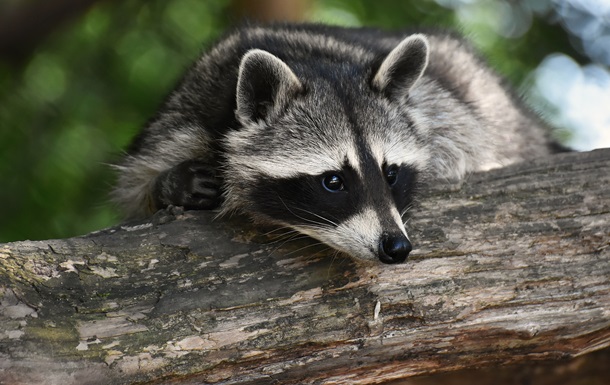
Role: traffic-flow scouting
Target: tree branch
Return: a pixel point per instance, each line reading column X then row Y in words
column 509, row 267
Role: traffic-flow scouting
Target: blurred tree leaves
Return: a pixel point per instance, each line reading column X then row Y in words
column 67, row 112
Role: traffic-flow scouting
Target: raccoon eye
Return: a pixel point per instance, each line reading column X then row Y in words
column 333, row 183
column 391, row 174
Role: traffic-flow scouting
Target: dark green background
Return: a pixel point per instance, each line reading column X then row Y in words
column 68, row 109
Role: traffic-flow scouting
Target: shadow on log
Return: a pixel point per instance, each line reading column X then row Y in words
column 511, row 266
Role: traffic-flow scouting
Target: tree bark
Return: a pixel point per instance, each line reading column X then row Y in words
column 512, row 265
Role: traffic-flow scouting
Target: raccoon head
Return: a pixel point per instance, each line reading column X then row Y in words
column 329, row 151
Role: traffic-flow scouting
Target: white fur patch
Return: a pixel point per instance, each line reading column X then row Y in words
column 296, row 159
column 286, row 167
column 353, row 158
column 358, row 236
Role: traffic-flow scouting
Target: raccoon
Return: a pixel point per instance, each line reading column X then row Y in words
column 326, row 130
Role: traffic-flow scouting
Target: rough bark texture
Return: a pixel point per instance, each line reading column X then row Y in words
column 509, row 267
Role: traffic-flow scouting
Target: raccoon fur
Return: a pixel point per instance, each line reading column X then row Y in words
column 326, row 130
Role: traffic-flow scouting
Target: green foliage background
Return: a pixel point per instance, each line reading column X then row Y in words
column 66, row 113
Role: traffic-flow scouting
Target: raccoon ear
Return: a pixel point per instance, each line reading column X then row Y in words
column 403, row 66
column 265, row 85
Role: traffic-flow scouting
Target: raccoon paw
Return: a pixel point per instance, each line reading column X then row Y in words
column 192, row 184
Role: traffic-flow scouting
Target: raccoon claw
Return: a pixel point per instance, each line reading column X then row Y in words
column 166, row 215
column 192, row 184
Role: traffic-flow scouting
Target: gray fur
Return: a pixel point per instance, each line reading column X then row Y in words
column 412, row 52
column 288, row 101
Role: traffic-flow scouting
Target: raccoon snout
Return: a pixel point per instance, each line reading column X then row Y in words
column 394, row 248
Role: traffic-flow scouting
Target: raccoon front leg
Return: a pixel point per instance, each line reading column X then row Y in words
column 192, row 184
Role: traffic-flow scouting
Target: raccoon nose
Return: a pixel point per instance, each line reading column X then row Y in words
column 394, row 248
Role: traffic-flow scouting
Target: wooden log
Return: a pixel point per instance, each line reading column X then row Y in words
column 512, row 265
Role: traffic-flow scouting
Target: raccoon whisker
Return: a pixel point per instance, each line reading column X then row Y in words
column 298, row 216
column 341, row 259
column 404, row 212
column 284, row 237
column 332, row 260
column 310, row 257
column 293, row 237
column 336, row 254
column 315, row 229
column 290, row 230
column 307, row 247
column 319, row 216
